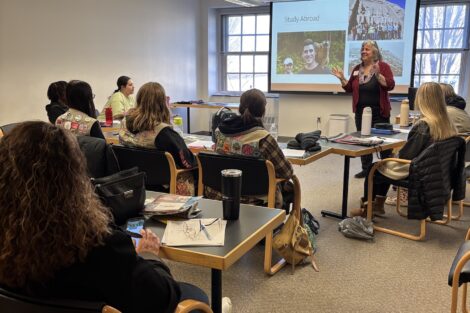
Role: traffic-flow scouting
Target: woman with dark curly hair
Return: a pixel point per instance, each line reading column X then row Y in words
column 55, row 235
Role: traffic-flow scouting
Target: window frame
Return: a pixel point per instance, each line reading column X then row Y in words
column 464, row 51
column 222, row 52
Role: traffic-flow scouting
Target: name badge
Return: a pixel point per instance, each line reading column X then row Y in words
column 355, row 73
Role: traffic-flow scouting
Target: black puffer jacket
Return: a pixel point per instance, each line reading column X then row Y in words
column 433, row 175
column 101, row 160
column 456, row 101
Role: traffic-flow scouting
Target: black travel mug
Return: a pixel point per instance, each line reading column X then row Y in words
column 231, row 190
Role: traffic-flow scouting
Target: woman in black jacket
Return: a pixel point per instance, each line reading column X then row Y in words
column 58, row 105
column 56, row 237
column 433, row 126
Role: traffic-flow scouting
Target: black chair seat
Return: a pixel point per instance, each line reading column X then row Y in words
column 467, row 172
column 465, row 273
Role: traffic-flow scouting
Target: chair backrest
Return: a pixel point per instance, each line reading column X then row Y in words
column 101, row 160
column 14, row 303
column 258, row 175
column 435, row 174
column 159, row 166
column 7, row 128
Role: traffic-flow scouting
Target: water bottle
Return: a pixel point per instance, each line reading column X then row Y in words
column 366, row 121
column 273, row 130
column 108, row 113
column 404, row 113
column 178, row 124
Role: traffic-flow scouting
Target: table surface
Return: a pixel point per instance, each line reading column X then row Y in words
column 207, row 105
column 254, row 224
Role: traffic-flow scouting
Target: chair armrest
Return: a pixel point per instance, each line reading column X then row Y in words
column 467, row 237
column 188, row 305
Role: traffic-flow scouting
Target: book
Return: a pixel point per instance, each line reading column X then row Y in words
column 170, row 204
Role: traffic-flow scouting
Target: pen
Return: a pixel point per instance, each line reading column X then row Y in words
column 204, row 229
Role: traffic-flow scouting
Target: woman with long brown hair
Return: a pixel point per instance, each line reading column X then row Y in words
column 148, row 125
column 56, row 238
column 433, row 126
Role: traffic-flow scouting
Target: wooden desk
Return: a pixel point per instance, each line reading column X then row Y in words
column 209, row 105
column 242, row 235
column 352, row 151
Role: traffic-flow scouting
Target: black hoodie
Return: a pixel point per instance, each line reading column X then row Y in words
column 456, row 101
column 235, row 125
column 54, row 110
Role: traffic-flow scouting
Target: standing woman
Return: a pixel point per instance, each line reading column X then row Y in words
column 58, row 105
column 148, row 125
column 121, row 100
column 80, row 118
column 370, row 82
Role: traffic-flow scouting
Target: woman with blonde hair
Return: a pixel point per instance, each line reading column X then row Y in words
column 148, row 125
column 433, row 126
column 456, row 108
column 57, row 239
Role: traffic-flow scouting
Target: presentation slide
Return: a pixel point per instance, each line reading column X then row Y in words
column 308, row 38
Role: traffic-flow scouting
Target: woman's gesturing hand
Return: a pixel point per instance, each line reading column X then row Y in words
column 338, row 72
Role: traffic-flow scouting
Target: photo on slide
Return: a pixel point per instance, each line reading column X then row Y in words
column 392, row 53
column 376, row 20
column 310, row 52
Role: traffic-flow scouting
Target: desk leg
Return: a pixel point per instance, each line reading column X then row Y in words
column 188, row 112
column 344, row 205
column 216, row 290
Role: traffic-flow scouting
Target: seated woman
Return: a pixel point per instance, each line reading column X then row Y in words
column 148, row 125
column 58, row 105
column 456, row 108
column 80, row 118
column 121, row 100
column 244, row 134
column 433, row 126
column 57, row 239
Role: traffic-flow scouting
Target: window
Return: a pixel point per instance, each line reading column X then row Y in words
column 441, row 45
column 244, row 54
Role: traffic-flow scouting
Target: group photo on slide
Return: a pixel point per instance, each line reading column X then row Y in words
column 310, row 52
column 376, row 21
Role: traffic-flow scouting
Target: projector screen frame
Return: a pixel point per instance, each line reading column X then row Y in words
column 404, row 93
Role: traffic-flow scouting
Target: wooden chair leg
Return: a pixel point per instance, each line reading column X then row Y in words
column 464, row 298
column 421, row 235
column 268, row 254
column 447, row 217
column 458, row 216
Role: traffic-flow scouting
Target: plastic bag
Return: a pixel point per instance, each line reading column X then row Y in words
column 357, row 227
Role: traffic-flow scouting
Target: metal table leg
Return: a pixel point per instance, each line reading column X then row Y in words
column 216, row 290
column 344, row 206
column 188, row 112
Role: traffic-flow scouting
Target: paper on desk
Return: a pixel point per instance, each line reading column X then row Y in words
column 206, row 144
column 293, row 153
column 402, row 130
column 190, row 232
column 385, row 139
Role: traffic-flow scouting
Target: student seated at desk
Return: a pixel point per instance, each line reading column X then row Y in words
column 456, row 108
column 148, row 125
column 80, row 118
column 121, row 100
column 57, row 238
column 433, row 126
column 245, row 134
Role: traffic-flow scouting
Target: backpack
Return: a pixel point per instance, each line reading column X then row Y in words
column 312, row 226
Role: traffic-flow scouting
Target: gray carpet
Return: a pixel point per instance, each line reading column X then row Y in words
column 390, row 274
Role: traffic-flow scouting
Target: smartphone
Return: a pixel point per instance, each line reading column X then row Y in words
column 133, row 226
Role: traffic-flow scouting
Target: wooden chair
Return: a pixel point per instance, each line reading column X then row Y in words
column 5, row 129
column 11, row 302
column 446, row 170
column 159, row 166
column 460, row 274
column 258, row 178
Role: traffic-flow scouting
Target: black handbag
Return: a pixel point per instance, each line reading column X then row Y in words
column 123, row 193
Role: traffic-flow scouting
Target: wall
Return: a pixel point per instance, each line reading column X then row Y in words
column 96, row 41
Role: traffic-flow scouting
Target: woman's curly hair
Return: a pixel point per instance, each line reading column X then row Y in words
column 50, row 216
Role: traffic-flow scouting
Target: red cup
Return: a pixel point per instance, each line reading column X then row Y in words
column 108, row 113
